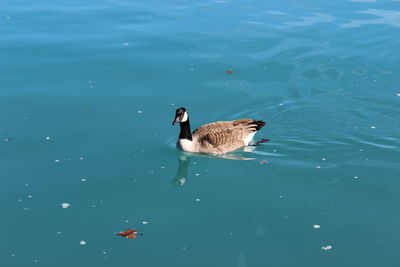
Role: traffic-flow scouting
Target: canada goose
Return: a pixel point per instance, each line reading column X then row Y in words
column 217, row 137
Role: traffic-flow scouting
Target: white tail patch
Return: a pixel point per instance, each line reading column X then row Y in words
column 248, row 139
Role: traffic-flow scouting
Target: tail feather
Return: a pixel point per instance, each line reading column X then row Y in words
column 259, row 124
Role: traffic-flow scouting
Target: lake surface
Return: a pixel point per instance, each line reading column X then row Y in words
column 88, row 91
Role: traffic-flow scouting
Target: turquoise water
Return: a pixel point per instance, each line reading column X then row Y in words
column 88, row 91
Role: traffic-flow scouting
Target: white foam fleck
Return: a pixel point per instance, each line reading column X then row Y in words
column 125, row 44
column 398, row 94
column 327, row 248
column 47, row 137
column 316, row 226
column 373, row 127
column 355, row 177
column 65, row 205
column 144, row 222
column 83, row 180
column 30, row 196
column 197, row 199
column 57, row 160
column 81, row 158
column 82, row 243
column 197, row 174
column 140, row 112
column 318, row 167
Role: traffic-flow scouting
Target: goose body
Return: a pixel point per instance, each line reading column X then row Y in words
column 217, row 137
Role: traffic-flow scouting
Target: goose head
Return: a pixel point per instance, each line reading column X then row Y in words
column 181, row 115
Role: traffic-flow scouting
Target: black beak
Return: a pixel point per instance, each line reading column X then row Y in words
column 176, row 120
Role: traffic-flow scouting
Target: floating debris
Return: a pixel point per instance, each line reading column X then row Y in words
column 82, row 243
column 129, row 233
column 327, row 248
column 65, row 205
column 316, row 226
column 230, row 72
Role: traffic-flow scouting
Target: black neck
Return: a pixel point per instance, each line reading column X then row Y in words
column 185, row 130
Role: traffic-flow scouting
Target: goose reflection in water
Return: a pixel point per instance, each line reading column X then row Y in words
column 184, row 161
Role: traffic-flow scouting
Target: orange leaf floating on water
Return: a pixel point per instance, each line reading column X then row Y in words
column 129, row 233
column 229, row 72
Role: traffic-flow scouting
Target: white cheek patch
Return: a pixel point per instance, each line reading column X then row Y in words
column 185, row 117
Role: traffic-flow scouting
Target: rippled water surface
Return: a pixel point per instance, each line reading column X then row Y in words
column 88, row 91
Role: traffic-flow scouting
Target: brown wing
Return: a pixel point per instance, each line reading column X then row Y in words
column 224, row 136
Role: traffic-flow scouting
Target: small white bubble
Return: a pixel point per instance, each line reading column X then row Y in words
column 57, row 160
column 197, row 174
column 327, row 248
column 316, row 226
column 65, row 205
column 30, row 196
column 82, row 243
column 318, row 167
column 323, row 158
column 355, row 177
column 140, row 112
column 144, row 222
column 398, row 94
column 197, row 199
column 47, row 137
column 83, row 180
column 125, row 44
column 81, row 158
column 373, row 127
